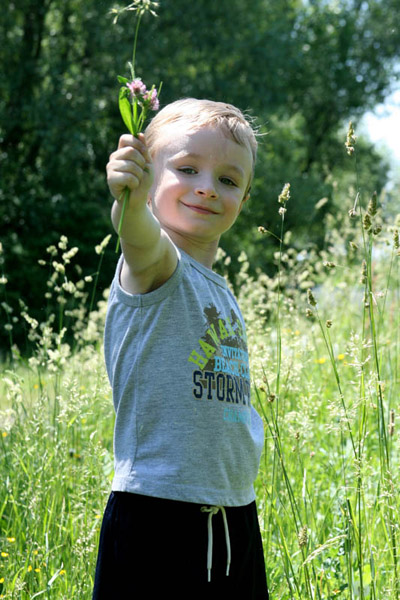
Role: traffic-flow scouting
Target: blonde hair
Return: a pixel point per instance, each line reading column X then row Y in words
column 200, row 113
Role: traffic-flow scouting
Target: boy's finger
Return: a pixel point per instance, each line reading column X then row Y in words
column 129, row 140
column 128, row 153
column 124, row 166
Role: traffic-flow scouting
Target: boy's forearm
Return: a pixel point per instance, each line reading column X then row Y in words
column 149, row 256
column 140, row 229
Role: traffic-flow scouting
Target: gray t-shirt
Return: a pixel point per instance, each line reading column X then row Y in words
column 178, row 365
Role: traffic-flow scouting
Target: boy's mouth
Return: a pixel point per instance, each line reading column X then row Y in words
column 201, row 209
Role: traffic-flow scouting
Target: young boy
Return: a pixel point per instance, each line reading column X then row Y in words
column 181, row 518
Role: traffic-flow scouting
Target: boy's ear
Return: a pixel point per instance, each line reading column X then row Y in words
column 245, row 198
column 247, row 195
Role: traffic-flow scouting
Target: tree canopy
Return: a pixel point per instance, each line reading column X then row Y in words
column 302, row 69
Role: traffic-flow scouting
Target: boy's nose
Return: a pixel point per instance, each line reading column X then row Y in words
column 207, row 190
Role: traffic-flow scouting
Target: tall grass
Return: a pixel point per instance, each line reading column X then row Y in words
column 324, row 346
column 56, row 427
column 327, row 381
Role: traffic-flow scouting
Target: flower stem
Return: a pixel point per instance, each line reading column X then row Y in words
column 126, row 198
column 134, row 45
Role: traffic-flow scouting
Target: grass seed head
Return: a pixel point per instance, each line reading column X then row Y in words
column 363, row 278
column 376, row 230
column 285, row 194
column 303, row 536
column 391, row 423
column 329, row 265
column 373, row 205
column 139, row 6
column 350, row 139
column 310, row 298
column 52, row 250
column 101, row 247
column 367, row 224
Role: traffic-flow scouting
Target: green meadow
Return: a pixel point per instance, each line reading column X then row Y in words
column 324, row 347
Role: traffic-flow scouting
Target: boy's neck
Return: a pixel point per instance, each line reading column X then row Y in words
column 203, row 252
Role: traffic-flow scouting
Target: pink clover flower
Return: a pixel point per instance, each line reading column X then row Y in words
column 137, row 88
column 152, row 98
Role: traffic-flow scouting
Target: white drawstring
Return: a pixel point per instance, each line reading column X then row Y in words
column 212, row 510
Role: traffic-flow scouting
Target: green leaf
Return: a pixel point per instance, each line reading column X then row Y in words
column 122, row 80
column 125, row 109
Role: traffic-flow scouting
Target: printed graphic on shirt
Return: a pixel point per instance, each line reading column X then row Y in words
column 222, row 365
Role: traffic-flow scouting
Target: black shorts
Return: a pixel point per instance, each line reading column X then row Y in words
column 151, row 548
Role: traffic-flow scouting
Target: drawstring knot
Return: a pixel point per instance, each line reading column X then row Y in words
column 213, row 510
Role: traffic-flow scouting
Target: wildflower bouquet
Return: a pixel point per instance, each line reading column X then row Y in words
column 135, row 99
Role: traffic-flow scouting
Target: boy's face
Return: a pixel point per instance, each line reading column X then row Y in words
column 200, row 183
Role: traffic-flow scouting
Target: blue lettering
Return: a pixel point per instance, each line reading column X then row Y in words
column 229, row 388
column 199, row 392
column 221, row 387
column 209, row 375
column 234, row 415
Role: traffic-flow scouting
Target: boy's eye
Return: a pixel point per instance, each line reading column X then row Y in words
column 187, row 170
column 227, row 181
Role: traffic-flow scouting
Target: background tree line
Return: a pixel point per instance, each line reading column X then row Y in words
column 302, row 68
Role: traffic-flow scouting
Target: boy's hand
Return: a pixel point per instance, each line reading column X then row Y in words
column 130, row 167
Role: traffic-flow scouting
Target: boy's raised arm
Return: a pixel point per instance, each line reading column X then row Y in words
column 150, row 257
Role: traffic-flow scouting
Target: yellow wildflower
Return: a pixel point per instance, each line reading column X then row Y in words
column 4, row 554
column 30, row 568
column 321, row 361
column 340, row 357
column 11, row 540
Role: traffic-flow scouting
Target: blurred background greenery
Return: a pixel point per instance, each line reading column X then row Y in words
column 302, row 68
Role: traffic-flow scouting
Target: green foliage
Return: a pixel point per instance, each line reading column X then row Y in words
column 325, row 366
column 302, row 68
column 52, row 455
